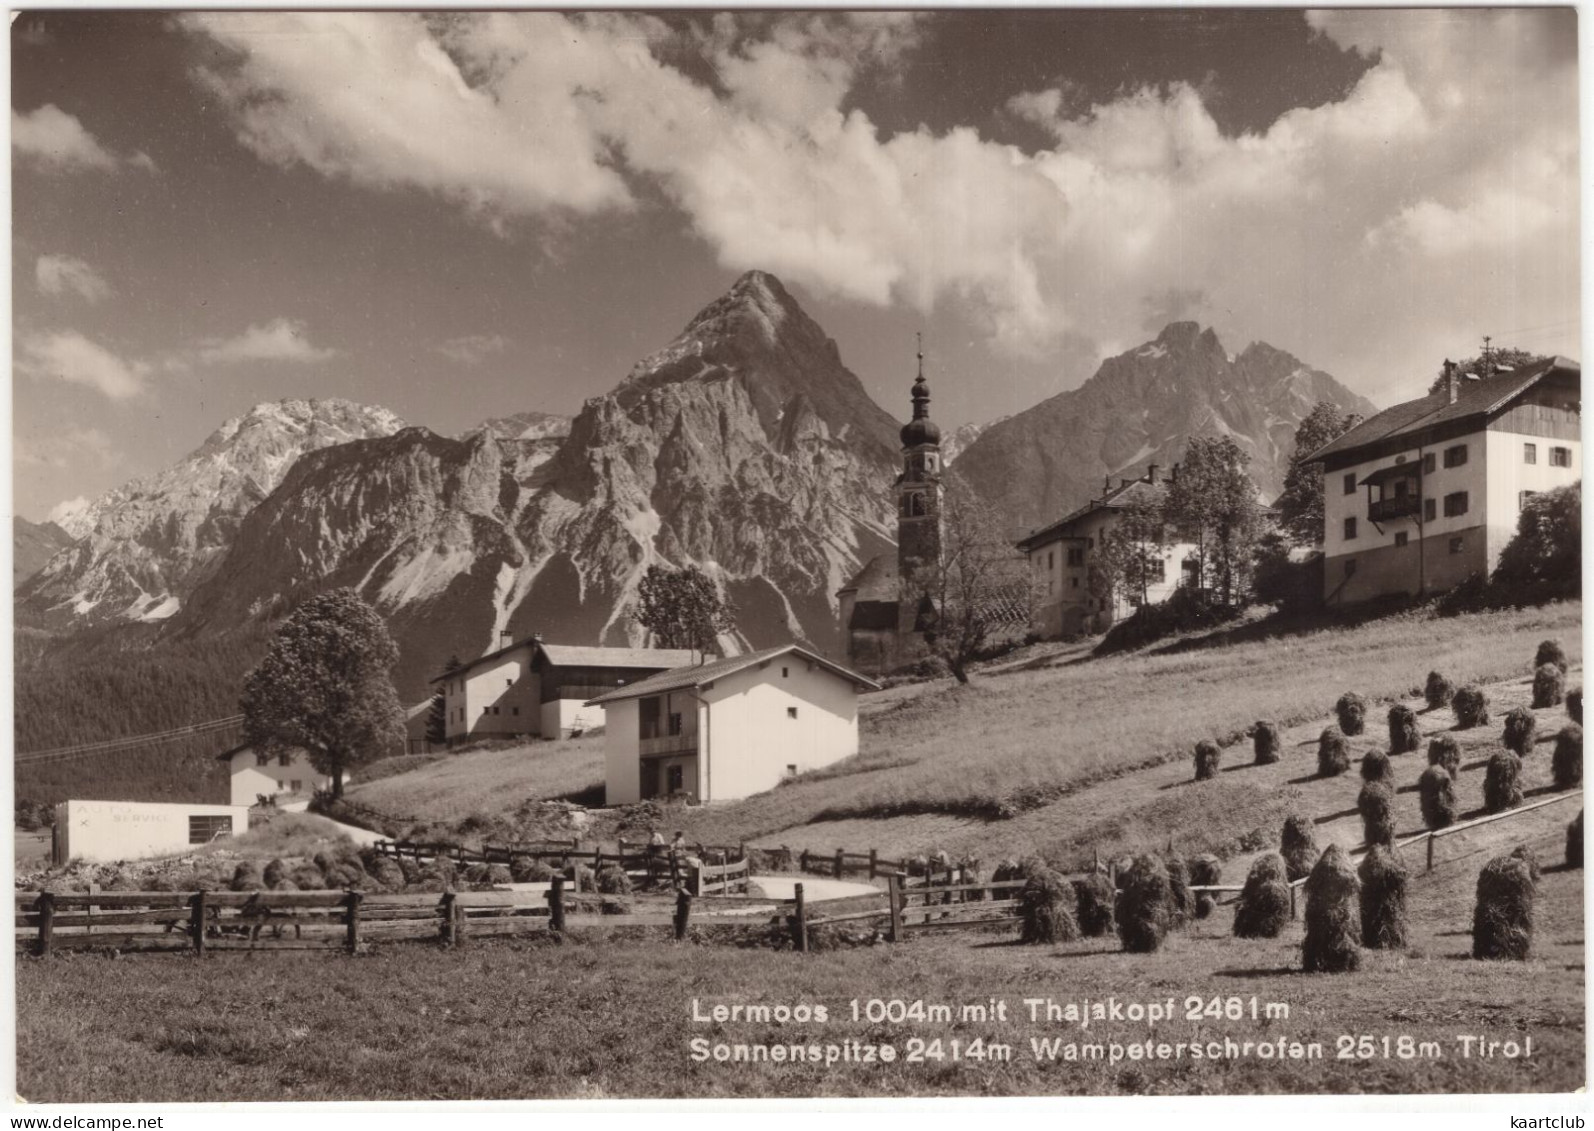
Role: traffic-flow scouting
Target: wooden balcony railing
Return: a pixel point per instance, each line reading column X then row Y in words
column 669, row 744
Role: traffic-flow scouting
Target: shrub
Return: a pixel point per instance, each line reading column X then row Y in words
column 1333, row 915
column 1437, row 790
column 1267, row 743
column 1519, row 731
column 1298, row 846
column 1264, row 907
column 1144, row 913
column 1180, row 903
column 1044, row 912
column 1471, row 707
column 1333, row 753
column 1438, row 691
column 1549, row 686
column 1383, row 900
column 1404, row 736
column 529, row 870
column 1352, row 713
column 1502, row 782
column 1204, row 870
column 1094, row 897
column 1525, row 854
column 1574, row 705
column 274, row 873
column 1566, row 764
column 1574, row 841
column 1445, row 751
column 1376, row 803
column 1207, row 757
column 1376, row 767
column 246, row 877
column 1502, row 920
column 1550, row 652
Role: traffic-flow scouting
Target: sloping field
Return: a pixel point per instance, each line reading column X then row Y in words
column 490, row 782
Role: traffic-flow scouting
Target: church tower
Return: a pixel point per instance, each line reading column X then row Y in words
column 918, row 498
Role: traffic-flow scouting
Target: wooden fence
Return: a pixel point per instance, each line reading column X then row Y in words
column 721, row 868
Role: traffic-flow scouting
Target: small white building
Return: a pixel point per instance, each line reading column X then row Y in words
column 1425, row 494
column 529, row 689
column 730, row 728
column 104, row 831
column 254, row 774
column 1060, row 557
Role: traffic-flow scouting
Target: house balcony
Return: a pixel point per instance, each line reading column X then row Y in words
column 663, row 744
column 1396, row 506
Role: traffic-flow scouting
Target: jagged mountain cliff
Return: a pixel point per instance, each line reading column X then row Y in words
column 1143, row 407
column 146, row 545
column 32, row 545
column 745, row 446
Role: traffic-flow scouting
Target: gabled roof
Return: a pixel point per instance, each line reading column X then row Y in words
column 876, row 581
column 701, row 674
column 584, row 656
column 1125, row 494
column 1478, row 397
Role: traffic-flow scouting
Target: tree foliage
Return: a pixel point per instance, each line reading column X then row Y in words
column 1301, row 505
column 437, row 717
column 1215, row 499
column 978, row 591
column 1544, row 557
column 1129, row 557
column 682, row 608
column 1508, row 356
column 326, row 685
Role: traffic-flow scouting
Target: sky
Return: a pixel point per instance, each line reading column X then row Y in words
column 460, row 216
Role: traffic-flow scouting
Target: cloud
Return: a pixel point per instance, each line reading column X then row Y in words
column 473, row 349
column 65, row 274
column 278, row 340
column 72, row 448
column 1334, row 233
column 53, row 139
column 67, row 355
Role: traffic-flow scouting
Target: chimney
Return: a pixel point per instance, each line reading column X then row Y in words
column 1151, row 474
column 1106, row 482
column 505, row 638
column 1452, row 384
column 1124, row 482
column 536, row 638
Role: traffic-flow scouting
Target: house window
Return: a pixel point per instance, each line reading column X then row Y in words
column 1157, row 570
column 1456, row 456
column 1350, row 528
column 285, row 759
column 509, row 683
column 1350, row 566
column 1560, row 457
column 296, row 785
column 1051, row 556
column 1076, row 582
column 1051, row 586
column 1076, row 556
column 1350, row 483
column 514, row 711
column 203, row 830
column 262, row 758
column 1530, row 453
column 1401, row 538
column 1429, row 463
column 791, row 712
column 1430, row 509
column 1455, row 504
column 1457, row 545
column 785, row 672
column 674, row 779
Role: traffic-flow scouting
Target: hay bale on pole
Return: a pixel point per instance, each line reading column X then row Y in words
column 1383, row 899
column 1502, row 918
column 1471, row 707
column 1333, row 753
column 1404, row 734
column 1298, row 846
column 1438, row 691
column 1550, row 652
column 1520, row 731
column 1144, row 910
column 1376, row 804
column 1264, row 907
column 1094, row 897
column 1267, row 743
column 1445, row 751
column 1046, row 914
column 1181, row 905
column 1437, row 794
column 1566, row 764
column 1574, row 705
column 1204, row 870
column 1376, row 767
column 1351, row 711
column 1333, row 916
column 1526, row 854
column 1207, row 757
column 1502, row 782
column 1549, row 686
column 1574, row 841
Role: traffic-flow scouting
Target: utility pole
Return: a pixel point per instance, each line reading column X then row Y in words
column 1488, row 357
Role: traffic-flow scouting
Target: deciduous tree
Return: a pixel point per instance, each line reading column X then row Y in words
column 1301, row 505
column 437, row 718
column 682, row 608
column 1214, row 498
column 326, row 685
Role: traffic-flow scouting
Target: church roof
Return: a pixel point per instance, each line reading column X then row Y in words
column 876, row 581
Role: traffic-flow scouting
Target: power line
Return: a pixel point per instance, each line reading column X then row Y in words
column 109, row 746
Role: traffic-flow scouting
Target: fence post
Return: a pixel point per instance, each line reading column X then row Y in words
column 597, row 860
column 894, row 902
column 619, row 847
column 448, row 932
column 1293, row 890
column 556, row 903
column 800, row 920
column 354, row 899
column 683, row 910
column 46, row 922
column 874, row 862
column 1430, row 852
column 840, row 862
column 802, row 865
column 196, row 922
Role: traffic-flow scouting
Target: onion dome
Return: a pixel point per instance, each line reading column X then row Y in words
column 921, row 429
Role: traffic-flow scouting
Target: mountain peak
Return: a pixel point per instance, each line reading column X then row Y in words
column 1187, row 335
